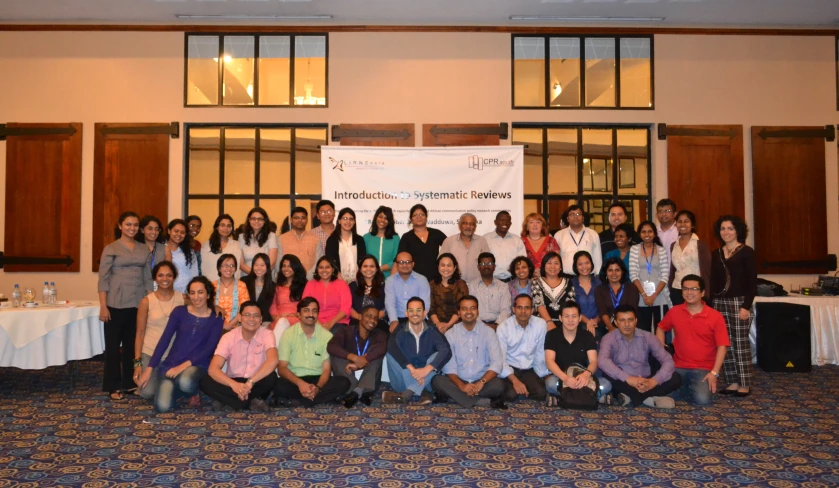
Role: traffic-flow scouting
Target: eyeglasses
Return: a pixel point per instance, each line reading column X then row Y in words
column 252, row 315
column 347, row 219
column 690, row 289
column 256, row 219
column 418, row 214
column 326, row 211
column 404, row 262
column 228, row 265
column 486, row 265
column 575, row 214
column 665, row 210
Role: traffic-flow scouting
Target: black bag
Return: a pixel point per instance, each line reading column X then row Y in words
column 580, row 398
column 766, row 288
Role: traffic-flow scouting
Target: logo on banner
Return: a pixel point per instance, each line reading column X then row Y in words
column 477, row 162
column 340, row 164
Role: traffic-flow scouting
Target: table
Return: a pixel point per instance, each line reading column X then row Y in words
column 824, row 326
column 50, row 335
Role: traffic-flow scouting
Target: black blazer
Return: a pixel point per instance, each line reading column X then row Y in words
column 332, row 253
column 264, row 300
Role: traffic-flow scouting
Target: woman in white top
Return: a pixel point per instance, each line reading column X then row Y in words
column 345, row 246
column 219, row 243
column 649, row 271
column 179, row 252
column 688, row 255
column 257, row 238
column 152, row 317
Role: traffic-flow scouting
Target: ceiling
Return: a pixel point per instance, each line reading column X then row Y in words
column 677, row 13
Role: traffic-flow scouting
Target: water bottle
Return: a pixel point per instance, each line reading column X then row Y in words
column 45, row 294
column 53, row 293
column 16, row 297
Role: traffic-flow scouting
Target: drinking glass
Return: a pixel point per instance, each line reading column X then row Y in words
column 29, row 295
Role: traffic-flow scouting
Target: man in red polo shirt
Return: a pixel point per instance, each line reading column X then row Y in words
column 700, row 342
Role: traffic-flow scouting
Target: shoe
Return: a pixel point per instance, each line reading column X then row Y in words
column 440, row 398
column 741, row 394
column 551, row 401
column 277, row 402
column 426, row 398
column 660, row 402
column 258, row 405
column 621, row 400
column 350, row 400
column 195, row 401
column 726, row 391
column 367, row 398
column 221, row 407
column 497, row 404
column 393, row 398
column 116, row 396
column 605, row 399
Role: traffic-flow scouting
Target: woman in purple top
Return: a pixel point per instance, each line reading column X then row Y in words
column 197, row 329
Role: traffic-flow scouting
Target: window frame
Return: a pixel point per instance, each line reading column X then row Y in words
column 256, row 35
column 292, row 197
column 582, row 38
column 836, row 68
column 580, row 197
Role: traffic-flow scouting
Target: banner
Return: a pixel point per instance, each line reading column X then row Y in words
column 448, row 181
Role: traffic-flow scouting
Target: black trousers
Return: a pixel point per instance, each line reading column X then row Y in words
column 335, row 388
column 445, row 387
column 224, row 394
column 662, row 389
column 119, row 365
column 650, row 316
column 676, row 296
column 535, row 385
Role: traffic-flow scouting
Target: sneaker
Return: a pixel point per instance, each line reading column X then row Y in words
column 393, row 398
column 426, row 398
column 621, row 400
column 259, row 405
column 660, row 402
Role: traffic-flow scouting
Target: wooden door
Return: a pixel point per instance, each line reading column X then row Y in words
column 398, row 135
column 130, row 172
column 790, row 211
column 705, row 173
column 43, row 197
column 463, row 134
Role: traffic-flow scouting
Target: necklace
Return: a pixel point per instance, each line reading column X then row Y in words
column 225, row 288
column 160, row 304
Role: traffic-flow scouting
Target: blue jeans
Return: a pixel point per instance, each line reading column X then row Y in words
column 169, row 390
column 401, row 379
column 693, row 386
column 552, row 385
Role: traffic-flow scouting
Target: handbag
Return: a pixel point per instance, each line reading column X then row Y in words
column 584, row 398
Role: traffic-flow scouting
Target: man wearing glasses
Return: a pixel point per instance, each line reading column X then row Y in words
column 700, row 343
column 326, row 215
column 251, row 358
column 577, row 237
column 466, row 247
column 492, row 294
column 401, row 286
column 666, row 212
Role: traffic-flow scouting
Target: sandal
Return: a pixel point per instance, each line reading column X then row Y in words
column 116, row 396
column 195, row 401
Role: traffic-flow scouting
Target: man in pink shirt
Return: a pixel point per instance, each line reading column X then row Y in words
column 251, row 357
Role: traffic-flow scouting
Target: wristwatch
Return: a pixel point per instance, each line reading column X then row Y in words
column 716, row 375
column 138, row 362
column 483, row 381
column 249, row 382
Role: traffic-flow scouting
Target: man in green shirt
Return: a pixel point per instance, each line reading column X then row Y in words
column 304, row 369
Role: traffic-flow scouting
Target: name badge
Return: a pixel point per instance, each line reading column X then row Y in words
column 357, row 374
column 649, row 288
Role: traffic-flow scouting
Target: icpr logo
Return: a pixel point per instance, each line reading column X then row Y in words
column 339, row 165
column 476, row 162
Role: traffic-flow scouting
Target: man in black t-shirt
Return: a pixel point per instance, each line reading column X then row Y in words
column 569, row 345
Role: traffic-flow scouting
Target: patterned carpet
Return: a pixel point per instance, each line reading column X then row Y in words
column 50, row 435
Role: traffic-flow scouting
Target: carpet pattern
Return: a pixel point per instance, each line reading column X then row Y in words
column 784, row 435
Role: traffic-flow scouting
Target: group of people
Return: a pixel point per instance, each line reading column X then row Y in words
column 313, row 316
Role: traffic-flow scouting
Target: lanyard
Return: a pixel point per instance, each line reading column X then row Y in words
column 649, row 260
column 616, row 299
column 358, row 348
column 571, row 233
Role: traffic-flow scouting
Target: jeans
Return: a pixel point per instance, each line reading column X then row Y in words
column 401, row 379
column 183, row 385
column 149, row 390
column 552, row 384
column 692, row 386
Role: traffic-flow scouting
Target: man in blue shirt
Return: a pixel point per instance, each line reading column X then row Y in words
column 415, row 353
column 401, row 286
column 625, row 362
column 471, row 376
column 522, row 340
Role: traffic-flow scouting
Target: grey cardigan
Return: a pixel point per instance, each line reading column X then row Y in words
column 125, row 275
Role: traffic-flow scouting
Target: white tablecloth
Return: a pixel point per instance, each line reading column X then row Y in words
column 824, row 326
column 50, row 335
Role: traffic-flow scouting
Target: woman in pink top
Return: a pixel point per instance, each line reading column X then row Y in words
column 333, row 294
column 290, row 285
column 537, row 240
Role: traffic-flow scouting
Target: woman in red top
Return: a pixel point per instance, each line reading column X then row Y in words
column 331, row 292
column 537, row 239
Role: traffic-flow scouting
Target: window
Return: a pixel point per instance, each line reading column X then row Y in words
column 250, row 70
column 582, row 72
column 232, row 168
column 574, row 163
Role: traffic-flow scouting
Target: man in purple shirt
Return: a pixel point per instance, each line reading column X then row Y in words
column 625, row 361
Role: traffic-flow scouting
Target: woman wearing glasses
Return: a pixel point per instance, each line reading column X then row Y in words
column 230, row 293
column 345, row 246
column 257, row 238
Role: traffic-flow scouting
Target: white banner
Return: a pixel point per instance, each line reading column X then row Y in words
column 448, row 181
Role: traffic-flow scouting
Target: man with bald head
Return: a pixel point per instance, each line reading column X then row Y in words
column 466, row 247
column 401, row 286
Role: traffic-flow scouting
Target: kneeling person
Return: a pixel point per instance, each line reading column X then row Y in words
column 251, row 357
column 471, row 376
column 357, row 354
column 304, row 367
column 415, row 353
column 625, row 361
column 567, row 346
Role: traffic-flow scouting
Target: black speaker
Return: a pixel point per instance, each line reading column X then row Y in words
column 783, row 337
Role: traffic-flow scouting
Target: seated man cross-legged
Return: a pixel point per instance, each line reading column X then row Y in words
column 415, row 353
column 304, row 367
column 700, row 343
column 625, row 362
column 471, row 376
column 357, row 354
column 251, row 357
column 567, row 346
column 522, row 340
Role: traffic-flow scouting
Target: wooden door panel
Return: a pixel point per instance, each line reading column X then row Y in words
column 43, row 197
column 462, row 134
column 397, row 135
column 790, row 201
column 705, row 175
column 131, row 172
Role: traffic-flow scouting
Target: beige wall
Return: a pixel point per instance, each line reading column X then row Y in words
column 407, row 77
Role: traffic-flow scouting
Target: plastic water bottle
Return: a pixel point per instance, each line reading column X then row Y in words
column 16, row 297
column 45, row 294
column 53, row 293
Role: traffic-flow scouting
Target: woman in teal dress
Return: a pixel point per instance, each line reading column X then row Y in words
column 382, row 240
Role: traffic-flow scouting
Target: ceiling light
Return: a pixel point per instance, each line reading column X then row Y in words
column 586, row 18
column 253, row 17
